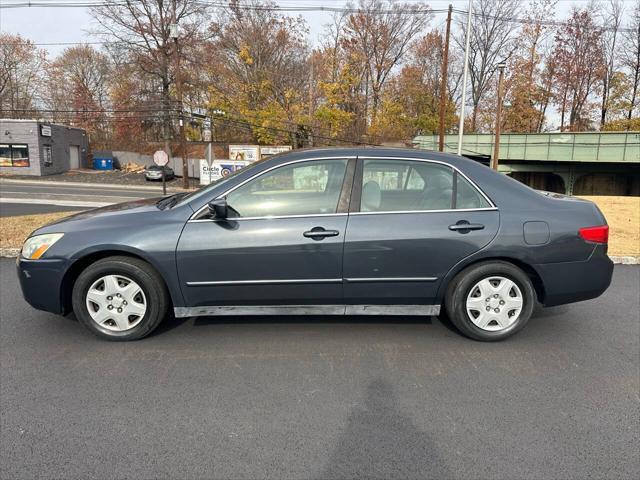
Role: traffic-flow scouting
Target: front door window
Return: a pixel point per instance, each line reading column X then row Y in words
column 305, row 188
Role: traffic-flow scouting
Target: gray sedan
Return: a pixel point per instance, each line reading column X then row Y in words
column 331, row 232
column 154, row 172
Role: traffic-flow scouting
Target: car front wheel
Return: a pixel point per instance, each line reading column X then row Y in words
column 490, row 301
column 120, row 298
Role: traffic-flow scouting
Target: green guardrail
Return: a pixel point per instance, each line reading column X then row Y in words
column 603, row 147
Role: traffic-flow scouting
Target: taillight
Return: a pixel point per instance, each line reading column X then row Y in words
column 598, row 234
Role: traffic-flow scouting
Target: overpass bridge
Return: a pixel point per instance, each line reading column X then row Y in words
column 589, row 163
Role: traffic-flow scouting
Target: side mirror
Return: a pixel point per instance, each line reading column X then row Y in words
column 218, row 208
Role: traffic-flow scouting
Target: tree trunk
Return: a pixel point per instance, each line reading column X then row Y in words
column 564, row 110
column 603, row 108
column 474, row 117
column 636, row 79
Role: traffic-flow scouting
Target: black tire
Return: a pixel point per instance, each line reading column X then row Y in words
column 460, row 288
column 152, row 285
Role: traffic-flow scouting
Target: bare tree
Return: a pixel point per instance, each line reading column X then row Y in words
column 631, row 58
column 492, row 34
column 611, row 21
column 79, row 78
column 579, row 65
column 142, row 33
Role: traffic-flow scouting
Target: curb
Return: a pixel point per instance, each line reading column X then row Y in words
column 619, row 260
column 115, row 186
column 625, row 260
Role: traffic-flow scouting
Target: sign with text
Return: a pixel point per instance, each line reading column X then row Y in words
column 218, row 169
column 273, row 150
column 45, row 130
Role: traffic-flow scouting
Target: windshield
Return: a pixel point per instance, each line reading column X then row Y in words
column 216, row 183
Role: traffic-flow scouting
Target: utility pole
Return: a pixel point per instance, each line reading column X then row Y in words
column 183, row 141
column 496, row 146
column 443, row 87
column 311, row 79
column 464, row 77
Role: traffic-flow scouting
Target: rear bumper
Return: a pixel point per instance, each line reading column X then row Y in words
column 576, row 281
column 41, row 281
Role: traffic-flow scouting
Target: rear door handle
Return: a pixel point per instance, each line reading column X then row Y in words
column 463, row 226
column 318, row 233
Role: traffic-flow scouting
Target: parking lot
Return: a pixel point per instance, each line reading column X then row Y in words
column 377, row 397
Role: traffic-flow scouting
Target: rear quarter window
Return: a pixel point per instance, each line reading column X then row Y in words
column 467, row 196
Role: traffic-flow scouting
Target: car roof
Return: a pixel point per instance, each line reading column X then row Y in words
column 390, row 153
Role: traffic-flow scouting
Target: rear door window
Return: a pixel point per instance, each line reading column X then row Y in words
column 405, row 185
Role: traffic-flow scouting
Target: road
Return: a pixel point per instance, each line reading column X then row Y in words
column 15, row 209
column 320, row 398
column 60, row 197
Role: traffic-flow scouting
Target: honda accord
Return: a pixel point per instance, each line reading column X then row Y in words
column 357, row 231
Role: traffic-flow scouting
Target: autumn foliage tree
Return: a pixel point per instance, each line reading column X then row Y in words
column 78, row 90
column 259, row 60
column 530, row 72
column 21, row 76
column 373, row 76
column 579, row 66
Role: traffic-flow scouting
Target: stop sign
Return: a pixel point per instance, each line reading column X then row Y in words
column 160, row 158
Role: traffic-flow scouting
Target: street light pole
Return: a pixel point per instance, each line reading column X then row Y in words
column 464, row 78
column 496, row 146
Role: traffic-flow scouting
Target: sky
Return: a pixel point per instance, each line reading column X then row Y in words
column 45, row 25
column 61, row 25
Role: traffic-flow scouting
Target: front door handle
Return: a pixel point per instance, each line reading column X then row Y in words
column 465, row 227
column 318, row 233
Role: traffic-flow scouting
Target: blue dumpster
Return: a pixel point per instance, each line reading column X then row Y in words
column 103, row 163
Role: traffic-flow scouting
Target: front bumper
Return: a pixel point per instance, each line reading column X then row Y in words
column 41, row 282
column 570, row 282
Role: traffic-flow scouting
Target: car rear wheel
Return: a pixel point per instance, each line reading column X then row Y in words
column 120, row 298
column 490, row 301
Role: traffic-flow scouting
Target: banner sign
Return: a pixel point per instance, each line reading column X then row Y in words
column 251, row 153
column 273, row 150
column 248, row 153
column 218, row 169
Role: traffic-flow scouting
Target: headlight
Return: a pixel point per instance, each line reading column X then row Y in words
column 35, row 247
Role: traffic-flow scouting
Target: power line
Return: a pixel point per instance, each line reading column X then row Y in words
column 547, row 23
column 285, row 9
column 219, row 4
column 140, row 113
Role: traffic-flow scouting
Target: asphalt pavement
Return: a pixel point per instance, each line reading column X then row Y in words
column 95, row 176
column 54, row 198
column 317, row 397
column 15, row 209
